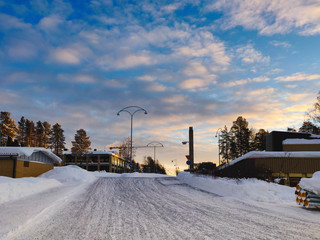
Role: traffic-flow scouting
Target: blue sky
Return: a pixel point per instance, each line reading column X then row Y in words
column 188, row 63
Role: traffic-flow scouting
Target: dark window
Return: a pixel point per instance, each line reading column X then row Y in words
column 26, row 164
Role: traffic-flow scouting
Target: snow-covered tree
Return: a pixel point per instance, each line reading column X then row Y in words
column 8, row 128
column 81, row 143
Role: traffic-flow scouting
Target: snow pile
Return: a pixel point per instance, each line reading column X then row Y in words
column 105, row 174
column 243, row 189
column 70, row 174
column 311, row 184
column 16, row 188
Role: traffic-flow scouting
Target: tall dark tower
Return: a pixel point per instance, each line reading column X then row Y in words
column 191, row 153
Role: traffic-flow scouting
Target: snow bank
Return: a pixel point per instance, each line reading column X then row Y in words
column 16, row 188
column 244, row 189
column 311, row 184
column 70, row 174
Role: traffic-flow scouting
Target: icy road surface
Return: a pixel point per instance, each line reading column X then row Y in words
column 150, row 208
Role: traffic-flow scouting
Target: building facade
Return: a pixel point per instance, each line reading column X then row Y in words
column 17, row 162
column 97, row 161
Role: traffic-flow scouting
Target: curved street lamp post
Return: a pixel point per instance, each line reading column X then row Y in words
column 134, row 109
column 155, row 145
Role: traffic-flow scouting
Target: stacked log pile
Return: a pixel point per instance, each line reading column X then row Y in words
column 307, row 198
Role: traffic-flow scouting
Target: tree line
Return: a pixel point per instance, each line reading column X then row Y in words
column 239, row 139
column 30, row 134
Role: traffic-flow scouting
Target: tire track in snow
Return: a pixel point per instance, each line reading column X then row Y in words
column 146, row 208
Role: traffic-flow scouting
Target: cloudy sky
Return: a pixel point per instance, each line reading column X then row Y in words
column 187, row 62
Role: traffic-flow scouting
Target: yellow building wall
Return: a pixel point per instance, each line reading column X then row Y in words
column 6, row 168
column 34, row 170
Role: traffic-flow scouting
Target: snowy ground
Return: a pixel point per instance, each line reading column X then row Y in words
column 70, row 203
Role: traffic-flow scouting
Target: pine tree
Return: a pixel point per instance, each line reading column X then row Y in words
column 225, row 141
column 30, row 134
column 81, row 143
column 57, row 139
column 258, row 142
column 242, row 135
column 8, row 129
column 315, row 112
column 22, row 132
column 309, row 127
column 150, row 165
column 39, row 135
column 47, row 134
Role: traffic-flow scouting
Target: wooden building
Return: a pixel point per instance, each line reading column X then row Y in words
column 20, row 162
column 97, row 161
column 289, row 167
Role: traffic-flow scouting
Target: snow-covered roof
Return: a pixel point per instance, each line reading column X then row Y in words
column 267, row 154
column 300, row 141
column 28, row 151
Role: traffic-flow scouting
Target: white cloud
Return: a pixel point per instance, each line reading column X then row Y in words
column 195, row 69
column 298, row 77
column 79, row 78
column 270, row 17
column 245, row 81
column 280, row 44
column 146, row 78
column 249, row 55
column 195, row 84
column 174, row 99
column 156, row 87
column 50, row 23
column 65, row 55
column 115, row 83
column 73, row 54
column 264, row 91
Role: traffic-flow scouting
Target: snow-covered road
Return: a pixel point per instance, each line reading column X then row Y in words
column 155, row 208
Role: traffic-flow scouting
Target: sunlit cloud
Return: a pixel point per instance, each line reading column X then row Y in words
column 146, row 78
column 156, row 87
column 298, row 77
column 245, row 81
column 194, row 84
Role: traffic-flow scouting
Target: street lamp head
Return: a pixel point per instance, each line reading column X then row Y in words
column 185, row 142
column 118, row 114
column 145, row 112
